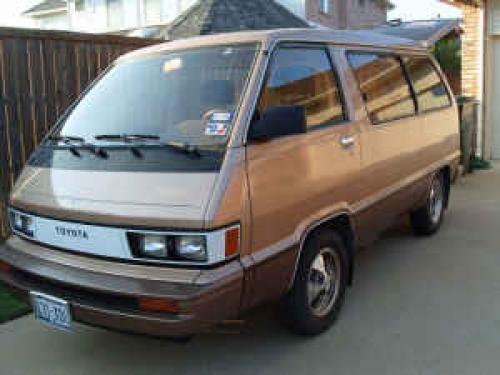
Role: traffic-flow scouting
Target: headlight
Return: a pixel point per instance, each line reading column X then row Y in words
column 207, row 248
column 154, row 246
column 22, row 223
column 175, row 248
column 191, row 247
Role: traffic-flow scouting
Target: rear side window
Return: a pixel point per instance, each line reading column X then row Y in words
column 383, row 86
column 304, row 76
column 429, row 88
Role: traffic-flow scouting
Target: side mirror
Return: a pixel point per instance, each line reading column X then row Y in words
column 279, row 121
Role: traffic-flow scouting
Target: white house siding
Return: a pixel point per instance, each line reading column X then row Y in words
column 94, row 18
column 57, row 21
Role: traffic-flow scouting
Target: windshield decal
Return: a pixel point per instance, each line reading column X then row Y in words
column 218, row 124
column 216, row 128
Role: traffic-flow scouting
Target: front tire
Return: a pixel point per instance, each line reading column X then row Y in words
column 317, row 295
column 427, row 219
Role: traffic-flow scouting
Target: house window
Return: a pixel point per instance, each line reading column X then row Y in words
column 153, row 11
column 325, row 6
column 115, row 14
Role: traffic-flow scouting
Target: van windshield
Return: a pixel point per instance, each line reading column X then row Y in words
column 187, row 97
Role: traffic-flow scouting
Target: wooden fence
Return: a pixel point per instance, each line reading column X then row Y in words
column 41, row 73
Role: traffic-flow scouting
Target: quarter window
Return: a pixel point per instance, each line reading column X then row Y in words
column 304, row 76
column 383, row 86
column 429, row 88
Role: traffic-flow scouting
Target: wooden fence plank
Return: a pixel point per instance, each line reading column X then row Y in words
column 4, row 147
column 16, row 152
column 37, row 95
column 23, row 98
column 50, row 82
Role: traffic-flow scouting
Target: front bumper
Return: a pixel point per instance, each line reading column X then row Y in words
column 105, row 293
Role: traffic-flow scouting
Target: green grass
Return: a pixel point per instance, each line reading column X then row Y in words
column 10, row 307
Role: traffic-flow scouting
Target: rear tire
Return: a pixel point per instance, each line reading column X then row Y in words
column 317, row 295
column 427, row 219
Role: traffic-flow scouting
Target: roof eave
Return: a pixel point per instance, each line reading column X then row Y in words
column 48, row 12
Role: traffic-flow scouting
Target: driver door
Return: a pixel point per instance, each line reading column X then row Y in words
column 298, row 179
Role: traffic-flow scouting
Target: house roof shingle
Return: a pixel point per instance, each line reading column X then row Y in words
column 47, row 5
column 220, row 16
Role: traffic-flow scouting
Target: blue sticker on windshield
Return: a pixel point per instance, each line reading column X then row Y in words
column 218, row 123
column 216, row 128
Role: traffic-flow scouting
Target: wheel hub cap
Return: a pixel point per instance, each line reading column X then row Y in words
column 436, row 201
column 323, row 282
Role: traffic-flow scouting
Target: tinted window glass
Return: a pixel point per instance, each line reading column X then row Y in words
column 383, row 85
column 304, row 76
column 185, row 97
column 429, row 88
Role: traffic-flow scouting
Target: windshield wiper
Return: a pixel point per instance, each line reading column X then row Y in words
column 139, row 138
column 73, row 141
column 66, row 138
column 127, row 137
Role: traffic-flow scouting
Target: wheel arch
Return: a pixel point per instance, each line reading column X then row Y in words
column 343, row 224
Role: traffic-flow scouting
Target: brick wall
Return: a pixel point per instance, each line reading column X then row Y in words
column 314, row 14
column 364, row 14
column 472, row 43
column 352, row 14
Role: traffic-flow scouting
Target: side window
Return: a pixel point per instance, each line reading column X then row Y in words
column 430, row 90
column 383, row 85
column 304, row 76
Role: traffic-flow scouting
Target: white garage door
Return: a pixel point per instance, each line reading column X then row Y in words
column 495, row 100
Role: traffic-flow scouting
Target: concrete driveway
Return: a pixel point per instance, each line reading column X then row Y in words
column 419, row 306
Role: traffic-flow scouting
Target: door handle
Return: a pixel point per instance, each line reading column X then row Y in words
column 347, row 141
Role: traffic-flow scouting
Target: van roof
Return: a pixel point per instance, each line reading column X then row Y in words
column 267, row 37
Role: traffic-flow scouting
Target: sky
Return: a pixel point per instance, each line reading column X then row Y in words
column 422, row 10
column 10, row 10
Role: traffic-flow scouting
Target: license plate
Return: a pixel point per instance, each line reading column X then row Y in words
column 52, row 311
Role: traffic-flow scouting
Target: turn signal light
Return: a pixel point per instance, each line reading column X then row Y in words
column 159, row 305
column 232, row 241
column 5, row 267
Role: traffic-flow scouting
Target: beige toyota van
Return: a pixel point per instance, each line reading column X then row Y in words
column 200, row 178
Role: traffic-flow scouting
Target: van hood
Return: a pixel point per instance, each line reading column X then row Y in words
column 142, row 199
